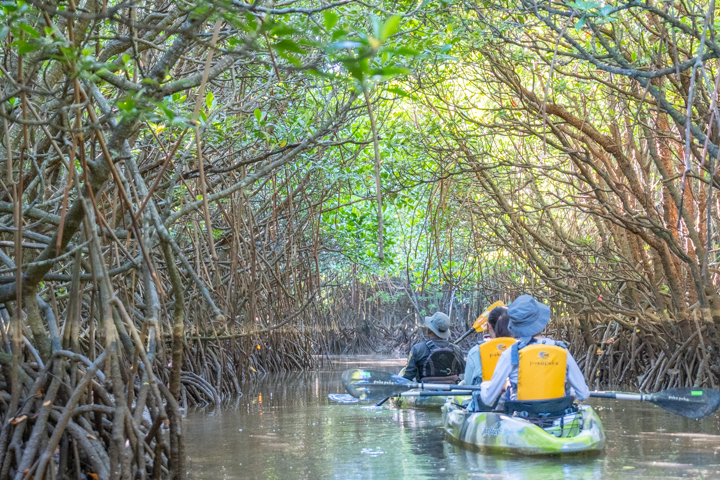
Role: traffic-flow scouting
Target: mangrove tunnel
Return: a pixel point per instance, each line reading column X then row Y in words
column 194, row 193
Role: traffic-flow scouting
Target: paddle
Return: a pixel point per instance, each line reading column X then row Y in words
column 481, row 322
column 687, row 402
column 479, row 325
column 451, row 393
column 376, row 384
column 347, row 398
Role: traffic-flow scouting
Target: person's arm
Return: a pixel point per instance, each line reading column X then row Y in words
column 576, row 379
column 411, row 370
column 493, row 388
column 473, row 366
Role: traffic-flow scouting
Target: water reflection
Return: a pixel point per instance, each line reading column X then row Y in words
column 285, row 427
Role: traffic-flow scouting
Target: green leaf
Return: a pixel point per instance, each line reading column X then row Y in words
column 209, row 99
column 251, row 21
column 27, row 28
column 398, row 91
column 127, row 104
column 390, row 27
column 405, row 51
column 282, row 30
column 580, row 24
column 258, row 114
column 331, row 19
column 375, row 26
column 338, row 33
column 288, row 46
column 387, row 71
column 289, row 57
column 26, row 47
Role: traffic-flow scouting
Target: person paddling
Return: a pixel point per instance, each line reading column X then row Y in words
column 497, row 340
column 541, row 370
column 435, row 360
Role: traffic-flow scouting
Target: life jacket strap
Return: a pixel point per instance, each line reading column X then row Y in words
column 524, row 342
column 515, row 352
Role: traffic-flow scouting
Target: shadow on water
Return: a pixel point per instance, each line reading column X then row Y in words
column 285, row 427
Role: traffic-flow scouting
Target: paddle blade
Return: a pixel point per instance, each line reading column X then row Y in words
column 374, row 384
column 481, row 322
column 688, row 402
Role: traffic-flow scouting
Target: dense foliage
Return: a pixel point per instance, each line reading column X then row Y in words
column 193, row 192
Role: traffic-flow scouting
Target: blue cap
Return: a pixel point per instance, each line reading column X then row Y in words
column 528, row 317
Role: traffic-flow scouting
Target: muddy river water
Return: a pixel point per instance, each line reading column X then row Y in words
column 285, row 427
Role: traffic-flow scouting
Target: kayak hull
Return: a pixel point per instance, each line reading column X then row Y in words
column 497, row 432
column 421, row 402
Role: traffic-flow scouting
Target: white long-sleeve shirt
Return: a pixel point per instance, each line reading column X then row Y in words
column 504, row 369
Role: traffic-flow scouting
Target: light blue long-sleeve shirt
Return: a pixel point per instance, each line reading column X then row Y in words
column 505, row 369
column 473, row 366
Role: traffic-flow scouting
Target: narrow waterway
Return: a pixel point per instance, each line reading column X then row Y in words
column 289, row 429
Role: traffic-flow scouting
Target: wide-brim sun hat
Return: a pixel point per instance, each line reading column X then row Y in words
column 439, row 323
column 528, row 317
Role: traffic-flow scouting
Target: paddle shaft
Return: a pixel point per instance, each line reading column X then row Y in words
column 620, row 396
column 436, row 394
column 463, row 336
column 440, row 386
column 447, row 390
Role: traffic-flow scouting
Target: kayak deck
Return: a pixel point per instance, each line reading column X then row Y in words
column 494, row 431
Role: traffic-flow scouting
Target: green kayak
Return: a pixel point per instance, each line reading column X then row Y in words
column 578, row 432
column 422, row 402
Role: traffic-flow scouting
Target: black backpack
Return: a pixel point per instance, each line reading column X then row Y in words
column 442, row 362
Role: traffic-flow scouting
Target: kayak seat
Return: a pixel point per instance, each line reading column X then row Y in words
column 541, row 411
column 477, row 405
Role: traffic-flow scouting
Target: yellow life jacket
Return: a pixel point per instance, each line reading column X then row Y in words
column 490, row 352
column 541, row 372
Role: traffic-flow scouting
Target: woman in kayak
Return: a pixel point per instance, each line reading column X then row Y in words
column 539, row 368
column 435, row 360
column 497, row 327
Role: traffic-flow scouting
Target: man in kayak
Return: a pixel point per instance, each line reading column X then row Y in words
column 435, row 360
column 497, row 327
column 541, row 370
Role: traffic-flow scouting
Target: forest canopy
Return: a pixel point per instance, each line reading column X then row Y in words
column 194, row 191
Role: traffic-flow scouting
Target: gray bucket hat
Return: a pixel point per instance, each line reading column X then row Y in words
column 439, row 323
column 528, row 317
